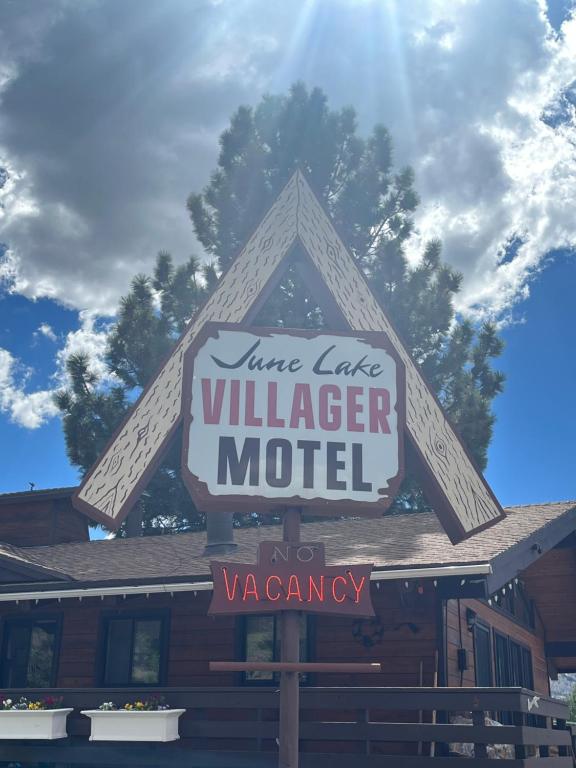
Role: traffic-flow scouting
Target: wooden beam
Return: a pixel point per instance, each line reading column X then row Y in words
column 562, row 649
column 286, row 666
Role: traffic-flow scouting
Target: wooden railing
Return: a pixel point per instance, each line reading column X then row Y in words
column 340, row 728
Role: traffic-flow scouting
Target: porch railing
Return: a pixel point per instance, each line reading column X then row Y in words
column 340, row 728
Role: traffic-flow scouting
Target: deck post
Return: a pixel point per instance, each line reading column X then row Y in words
column 290, row 651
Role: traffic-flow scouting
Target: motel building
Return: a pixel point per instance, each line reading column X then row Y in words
column 340, row 637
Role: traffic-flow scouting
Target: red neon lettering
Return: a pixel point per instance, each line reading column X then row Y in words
column 268, row 580
column 314, row 588
column 212, row 408
column 341, row 599
column 253, row 591
column 357, row 587
column 302, row 407
column 293, row 588
column 379, row 406
column 230, row 594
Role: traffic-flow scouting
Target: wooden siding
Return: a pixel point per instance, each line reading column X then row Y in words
column 402, row 649
column 405, row 652
column 551, row 582
column 532, row 639
column 41, row 522
column 406, row 649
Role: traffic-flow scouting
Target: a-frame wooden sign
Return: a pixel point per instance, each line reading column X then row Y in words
column 296, row 230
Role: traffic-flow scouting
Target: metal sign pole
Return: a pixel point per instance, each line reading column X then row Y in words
column 290, row 652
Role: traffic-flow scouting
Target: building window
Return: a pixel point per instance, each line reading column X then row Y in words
column 262, row 643
column 135, row 650
column 482, row 655
column 30, row 652
column 513, row 663
column 516, row 603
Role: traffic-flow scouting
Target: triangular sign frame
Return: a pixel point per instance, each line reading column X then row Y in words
column 296, row 230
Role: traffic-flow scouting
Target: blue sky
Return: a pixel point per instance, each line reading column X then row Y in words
column 111, row 114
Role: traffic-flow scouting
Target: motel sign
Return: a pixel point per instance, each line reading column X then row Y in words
column 293, row 417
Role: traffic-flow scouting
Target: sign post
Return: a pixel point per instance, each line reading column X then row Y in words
column 290, row 652
column 291, row 420
column 280, row 421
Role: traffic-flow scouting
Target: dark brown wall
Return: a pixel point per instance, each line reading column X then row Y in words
column 406, row 649
column 533, row 639
column 30, row 522
column 551, row 581
column 407, row 654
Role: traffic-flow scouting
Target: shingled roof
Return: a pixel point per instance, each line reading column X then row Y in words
column 408, row 541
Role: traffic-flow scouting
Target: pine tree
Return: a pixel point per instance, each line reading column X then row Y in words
column 373, row 207
column 149, row 320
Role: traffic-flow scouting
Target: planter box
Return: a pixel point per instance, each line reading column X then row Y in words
column 122, row 725
column 33, row 724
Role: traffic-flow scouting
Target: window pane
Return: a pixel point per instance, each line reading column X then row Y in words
column 503, row 676
column 17, row 651
column 527, row 671
column 259, row 644
column 41, row 657
column 30, row 650
column 483, row 662
column 118, row 652
column 263, row 644
column 146, row 657
column 516, row 659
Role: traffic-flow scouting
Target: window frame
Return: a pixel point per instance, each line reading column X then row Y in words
column 241, row 642
column 30, row 620
column 157, row 614
column 483, row 627
column 517, row 595
column 509, row 661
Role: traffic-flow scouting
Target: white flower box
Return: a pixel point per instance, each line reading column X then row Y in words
column 123, row 725
column 33, row 723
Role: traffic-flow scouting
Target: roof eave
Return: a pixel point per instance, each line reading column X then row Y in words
column 517, row 558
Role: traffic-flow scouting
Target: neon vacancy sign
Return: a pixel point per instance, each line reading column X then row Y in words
column 291, row 576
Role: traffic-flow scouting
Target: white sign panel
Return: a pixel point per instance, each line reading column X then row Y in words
column 276, row 417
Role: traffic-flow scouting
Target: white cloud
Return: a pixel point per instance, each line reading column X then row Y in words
column 497, row 172
column 44, row 329
column 89, row 340
column 31, row 409
column 105, row 142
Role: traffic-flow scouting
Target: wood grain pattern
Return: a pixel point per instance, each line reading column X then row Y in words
column 119, row 476
column 457, row 490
